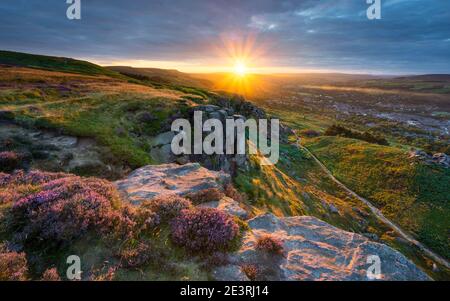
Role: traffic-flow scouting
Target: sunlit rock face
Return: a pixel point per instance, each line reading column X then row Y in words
column 315, row 250
column 153, row 180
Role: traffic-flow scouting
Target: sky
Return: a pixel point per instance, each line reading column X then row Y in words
column 412, row 36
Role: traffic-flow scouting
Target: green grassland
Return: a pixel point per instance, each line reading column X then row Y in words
column 53, row 63
column 414, row 195
column 111, row 120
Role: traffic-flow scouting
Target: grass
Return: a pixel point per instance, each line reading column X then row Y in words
column 413, row 195
column 110, row 119
column 107, row 110
column 52, row 63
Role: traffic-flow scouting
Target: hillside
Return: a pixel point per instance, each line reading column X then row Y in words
column 53, row 63
column 81, row 124
column 412, row 194
column 162, row 76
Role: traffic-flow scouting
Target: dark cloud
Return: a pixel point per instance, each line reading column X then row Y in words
column 412, row 36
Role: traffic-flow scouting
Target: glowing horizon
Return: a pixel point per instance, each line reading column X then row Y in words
column 194, row 68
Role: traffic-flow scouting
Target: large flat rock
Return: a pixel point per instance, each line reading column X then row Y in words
column 153, row 180
column 315, row 250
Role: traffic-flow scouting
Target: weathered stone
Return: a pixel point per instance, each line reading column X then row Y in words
column 236, row 116
column 51, row 150
column 152, row 180
column 315, row 250
column 163, row 154
column 227, row 205
column 162, row 139
column 207, row 108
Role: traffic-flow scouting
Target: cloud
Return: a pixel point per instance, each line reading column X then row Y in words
column 412, row 35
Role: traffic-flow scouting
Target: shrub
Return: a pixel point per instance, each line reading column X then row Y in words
column 337, row 130
column 65, row 209
column 204, row 229
column 251, row 271
column 51, row 275
column 13, row 265
column 135, row 256
column 143, row 219
column 205, row 195
column 9, row 161
column 33, row 177
column 215, row 259
column 269, row 244
column 309, row 133
column 168, row 207
column 19, row 184
column 232, row 192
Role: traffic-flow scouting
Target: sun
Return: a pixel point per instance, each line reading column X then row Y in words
column 240, row 69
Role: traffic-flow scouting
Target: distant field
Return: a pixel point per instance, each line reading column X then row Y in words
column 435, row 83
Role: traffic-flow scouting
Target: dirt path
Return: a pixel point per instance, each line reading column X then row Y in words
column 377, row 212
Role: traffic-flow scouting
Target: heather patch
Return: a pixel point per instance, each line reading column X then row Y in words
column 169, row 206
column 51, row 275
column 204, row 230
column 64, row 209
column 13, row 265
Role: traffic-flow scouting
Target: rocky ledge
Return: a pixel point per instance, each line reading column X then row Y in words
column 153, row 180
column 438, row 158
column 313, row 250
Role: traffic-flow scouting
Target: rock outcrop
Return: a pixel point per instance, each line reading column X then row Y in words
column 150, row 181
column 51, row 150
column 312, row 249
column 438, row 158
column 229, row 206
column 315, row 250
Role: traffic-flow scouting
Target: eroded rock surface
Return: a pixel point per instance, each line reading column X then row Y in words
column 228, row 205
column 152, row 180
column 315, row 250
column 50, row 150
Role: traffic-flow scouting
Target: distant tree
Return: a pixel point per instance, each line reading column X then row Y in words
column 338, row 130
